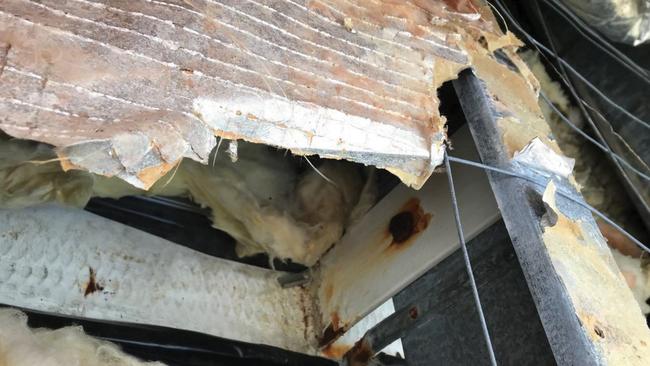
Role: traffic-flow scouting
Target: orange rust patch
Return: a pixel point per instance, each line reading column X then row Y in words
column 329, row 291
column 92, row 286
column 593, row 327
column 251, row 117
column 407, row 223
column 360, row 354
column 335, row 321
column 333, row 331
column 335, row 351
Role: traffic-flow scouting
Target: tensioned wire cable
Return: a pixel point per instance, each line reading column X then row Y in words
column 468, row 264
column 566, row 195
column 568, row 66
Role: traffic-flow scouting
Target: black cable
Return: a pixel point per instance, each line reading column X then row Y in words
column 468, row 264
column 597, row 39
column 539, row 46
column 602, row 147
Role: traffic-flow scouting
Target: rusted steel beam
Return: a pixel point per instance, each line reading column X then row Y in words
column 403, row 236
column 587, row 310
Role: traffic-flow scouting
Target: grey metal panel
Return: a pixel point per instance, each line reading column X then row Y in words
column 454, row 336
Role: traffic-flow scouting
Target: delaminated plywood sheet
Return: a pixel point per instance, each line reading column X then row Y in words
column 129, row 87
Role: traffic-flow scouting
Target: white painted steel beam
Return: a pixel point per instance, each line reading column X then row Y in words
column 47, row 255
column 370, row 265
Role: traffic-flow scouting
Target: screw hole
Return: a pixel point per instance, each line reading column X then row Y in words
column 599, row 331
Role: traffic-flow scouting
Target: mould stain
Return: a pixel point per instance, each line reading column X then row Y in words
column 407, row 223
column 92, row 286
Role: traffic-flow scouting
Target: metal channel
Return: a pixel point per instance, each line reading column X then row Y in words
column 587, row 311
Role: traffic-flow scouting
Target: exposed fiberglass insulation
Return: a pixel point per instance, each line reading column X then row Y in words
column 598, row 185
column 69, row 346
column 637, row 277
column 261, row 199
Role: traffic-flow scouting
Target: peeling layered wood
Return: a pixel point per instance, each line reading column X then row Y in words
column 128, row 88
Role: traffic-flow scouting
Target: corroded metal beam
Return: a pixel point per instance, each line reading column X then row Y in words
column 587, row 310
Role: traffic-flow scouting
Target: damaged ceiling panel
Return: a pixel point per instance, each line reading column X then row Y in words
column 128, row 88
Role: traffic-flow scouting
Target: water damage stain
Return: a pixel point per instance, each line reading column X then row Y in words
column 333, row 331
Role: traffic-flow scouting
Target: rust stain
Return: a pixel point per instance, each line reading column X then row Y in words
column 65, row 162
column 336, row 321
column 92, row 286
column 329, row 291
column 611, row 319
column 333, row 331
column 251, row 117
column 360, row 354
column 593, row 327
column 407, row 224
column 336, row 351
column 330, row 335
column 413, row 313
column 305, row 314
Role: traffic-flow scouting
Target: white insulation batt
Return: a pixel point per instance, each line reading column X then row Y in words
column 261, row 199
column 69, row 346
